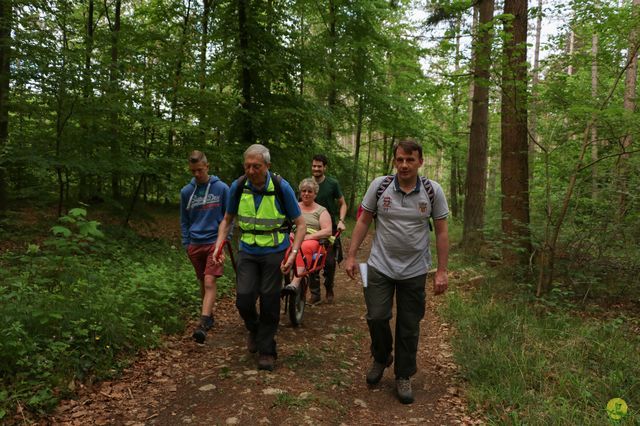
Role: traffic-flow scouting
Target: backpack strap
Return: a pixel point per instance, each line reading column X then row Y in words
column 426, row 183
column 383, row 186
column 429, row 188
column 277, row 186
column 277, row 191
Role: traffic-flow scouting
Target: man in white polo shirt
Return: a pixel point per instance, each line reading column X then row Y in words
column 399, row 261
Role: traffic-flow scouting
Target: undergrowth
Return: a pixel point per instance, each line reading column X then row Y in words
column 77, row 306
column 540, row 362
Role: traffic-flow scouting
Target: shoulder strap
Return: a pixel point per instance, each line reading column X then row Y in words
column 431, row 194
column 429, row 188
column 277, row 186
column 383, row 186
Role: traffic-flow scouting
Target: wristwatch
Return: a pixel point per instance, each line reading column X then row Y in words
column 294, row 251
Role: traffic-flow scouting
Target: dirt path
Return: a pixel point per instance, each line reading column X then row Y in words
column 319, row 376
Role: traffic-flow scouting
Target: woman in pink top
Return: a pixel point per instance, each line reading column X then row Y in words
column 318, row 221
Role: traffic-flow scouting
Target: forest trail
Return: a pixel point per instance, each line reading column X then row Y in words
column 318, row 379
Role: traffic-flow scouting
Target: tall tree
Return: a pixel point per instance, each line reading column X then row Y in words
column 456, row 100
column 476, row 179
column 6, row 19
column 114, row 76
column 332, row 96
column 514, row 170
column 207, row 6
column 594, row 129
column 535, row 83
column 87, row 94
column 629, row 104
column 244, row 57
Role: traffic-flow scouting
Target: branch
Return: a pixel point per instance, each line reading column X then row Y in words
column 617, row 154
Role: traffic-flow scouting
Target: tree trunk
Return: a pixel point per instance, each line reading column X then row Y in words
column 177, row 80
column 369, row 142
column 514, row 170
column 113, row 91
column 202, row 77
column 356, row 155
column 476, row 179
column 6, row 20
column 535, row 82
column 629, row 106
column 594, row 129
column 247, row 135
column 87, row 90
column 333, row 91
column 455, row 149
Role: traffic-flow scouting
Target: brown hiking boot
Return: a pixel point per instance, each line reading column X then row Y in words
column 329, row 295
column 266, row 362
column 374, row 375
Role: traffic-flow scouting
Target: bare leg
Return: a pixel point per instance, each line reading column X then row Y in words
column 209, row 290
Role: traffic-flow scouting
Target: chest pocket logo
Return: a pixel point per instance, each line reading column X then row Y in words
column 386, row 203
column 422, row 206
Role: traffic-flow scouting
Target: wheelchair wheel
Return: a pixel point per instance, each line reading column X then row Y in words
column 297, row 302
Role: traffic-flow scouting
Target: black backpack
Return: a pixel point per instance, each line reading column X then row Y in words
column 426, row 183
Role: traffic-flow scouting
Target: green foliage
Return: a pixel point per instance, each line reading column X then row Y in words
column 78, row 306
column 539, row 366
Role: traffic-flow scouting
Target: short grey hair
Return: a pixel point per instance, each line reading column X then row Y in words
column 258, row 149
column 309, row 183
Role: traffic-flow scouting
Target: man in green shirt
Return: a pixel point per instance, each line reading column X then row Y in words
column 329, row 196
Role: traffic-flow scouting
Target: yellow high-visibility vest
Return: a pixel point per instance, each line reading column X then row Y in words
column 262, row 228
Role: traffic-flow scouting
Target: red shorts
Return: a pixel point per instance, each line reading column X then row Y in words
column 201, row 256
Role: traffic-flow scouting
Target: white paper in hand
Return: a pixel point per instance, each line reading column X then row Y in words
column 363, row 273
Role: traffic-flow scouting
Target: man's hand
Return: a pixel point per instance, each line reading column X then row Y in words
column 341, row 226
column 351, row 267
column 286, row 266
column 218, row 255
column 441, row 281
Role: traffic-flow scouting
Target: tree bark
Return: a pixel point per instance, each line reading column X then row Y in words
column 247, row 134
column 594, row 128
column 113, row 91
column 455, row 155
column 356, row 155
column 535, row 82
column 629, row 105
column 514, row 170
column 87, row 90
column 6, row 20
column 476, row 178
column 202, row 77
column 333, row 91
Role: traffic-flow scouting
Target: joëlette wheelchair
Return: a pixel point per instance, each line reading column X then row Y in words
column 294, row 302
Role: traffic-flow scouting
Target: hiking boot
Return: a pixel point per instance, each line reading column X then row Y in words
column 329, row 295
column 315, row 299
column 266, row 362
column 251, row 343
column 403, row 387
column 374, row 375
column 200, row 334
column 206, row 324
